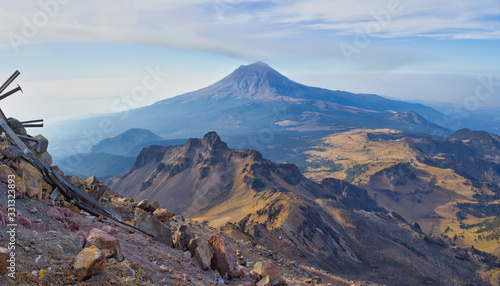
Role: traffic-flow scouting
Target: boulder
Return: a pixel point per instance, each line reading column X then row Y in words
column 266, row 281
column 224, row 259
column 203, row 254
column 55, row 213
column 56, row 168
column 155, row 205
column 47, row 189
column 5, row 171
column 144, row 204
column 193, row 244
column 12, row 152
column 245, row 271
column 266, row 268
column 104, row 241
column 4, row 264
column 33, row 180
column 148, row 223
column 44, row 143
column 91, row 181
column 182, row 237
column 3, row 143
column 162, row 214
column 97, row 191
column 78, row 182
column 61, row 214
column 90, row 261
column 124, row 269
column 16, row 126
column 46, row 158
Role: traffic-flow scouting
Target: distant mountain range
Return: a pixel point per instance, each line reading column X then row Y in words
column 257, row 107
column 125, row 142
column 256, row 96
column 113, row 156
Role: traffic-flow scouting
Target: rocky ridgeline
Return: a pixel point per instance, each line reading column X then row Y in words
column 59, row 244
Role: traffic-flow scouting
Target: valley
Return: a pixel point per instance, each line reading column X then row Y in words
column 402, row 178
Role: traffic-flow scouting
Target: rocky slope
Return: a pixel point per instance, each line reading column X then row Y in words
column 446, row 185
column 332, row 225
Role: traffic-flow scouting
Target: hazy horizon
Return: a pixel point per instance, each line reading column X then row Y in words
column 78, row 58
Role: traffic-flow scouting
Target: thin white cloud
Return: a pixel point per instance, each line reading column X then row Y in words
column 227, row 25
column 452, row 19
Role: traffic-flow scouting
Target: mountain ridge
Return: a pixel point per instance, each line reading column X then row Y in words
column 122, row 143
column 256, row 98
column 260, row 80
column 448, row 186
column 334, row 225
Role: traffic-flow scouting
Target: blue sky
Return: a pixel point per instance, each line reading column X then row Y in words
column 78, row 57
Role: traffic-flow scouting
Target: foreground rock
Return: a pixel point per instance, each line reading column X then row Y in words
column 105, row 242
column 182, row 237
column 11, row 152
column 88, row 262
column 148, row 223
column 5, row 172
column 144, row 204
column 203, row 254
column 42, row 153
column 223, row 260
column 33, row 180
column 266, row 281
column 162, row 214
column 268, row 269
column 89, row 182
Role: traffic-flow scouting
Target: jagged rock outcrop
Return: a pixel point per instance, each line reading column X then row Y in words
column 210, row 172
